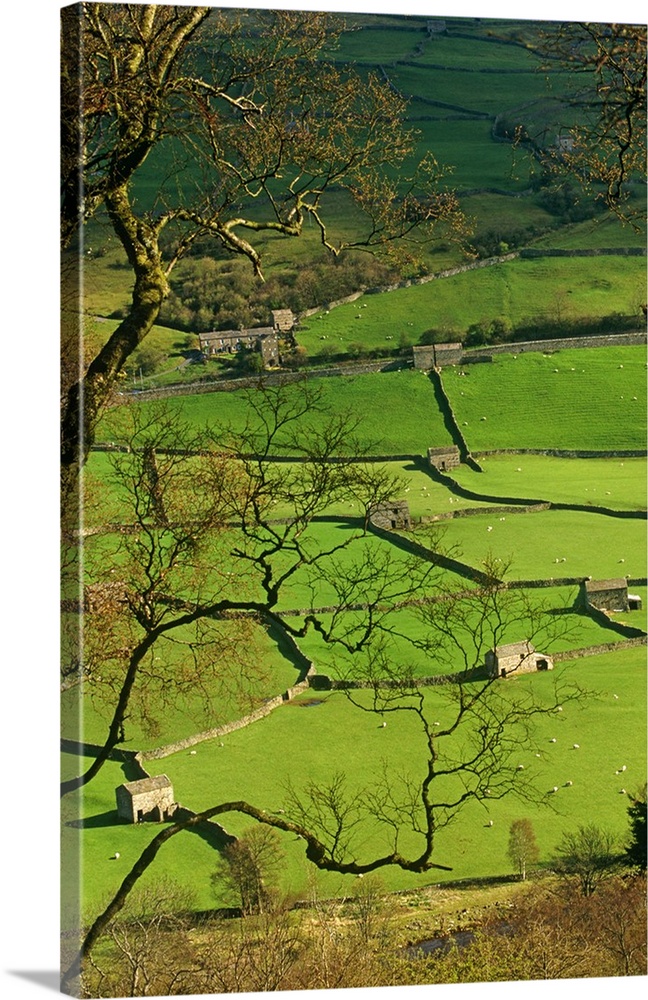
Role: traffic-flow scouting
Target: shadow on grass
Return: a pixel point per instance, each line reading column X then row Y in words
column 98, row 822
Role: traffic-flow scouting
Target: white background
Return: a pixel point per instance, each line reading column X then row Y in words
column 29, row 485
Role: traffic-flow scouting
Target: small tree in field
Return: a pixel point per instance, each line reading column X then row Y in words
column 248, row 868
column 522, row 846
column 589, row 855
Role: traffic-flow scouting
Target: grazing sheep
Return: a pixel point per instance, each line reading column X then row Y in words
column 116, row 856
column 624, row 768
column 489, row 528
column 569, row 783
column 382, row 725
column 559, row 709
column 615, row 696
column 576, row 746
column 520, row 767
column 622, row 791
column 555, row 788
column 553, row 739
column 192, row 753
column 490, row 822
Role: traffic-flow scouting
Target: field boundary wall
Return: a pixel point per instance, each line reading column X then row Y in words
column 532, row 253
column 564, row 452
column 272, row 378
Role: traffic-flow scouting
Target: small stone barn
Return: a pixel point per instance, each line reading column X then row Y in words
column 283, row 320
column 146, row 799
column 393, row 514
column 611, row 595
column 437, row 355
column 444, row 458
column 516, row 658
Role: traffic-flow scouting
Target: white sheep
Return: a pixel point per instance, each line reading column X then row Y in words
column 192, row 753
column 622, row 792
column 615, row 696
column 116, row 856
column 624, row 768
column 490, row 822
column 576, row 746
column 382, row 725
column 569, row 783
column 520, row 767
column 555, row 788
column 553, row 739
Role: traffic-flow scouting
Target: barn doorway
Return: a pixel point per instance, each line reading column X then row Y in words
column 542, row 664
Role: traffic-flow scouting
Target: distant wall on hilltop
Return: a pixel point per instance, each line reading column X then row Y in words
column 432, row 357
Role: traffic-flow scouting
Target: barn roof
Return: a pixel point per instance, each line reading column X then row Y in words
column 515, row 649
column 591, row 586
column 449, row 449
column 145, row 785
column 257, row 331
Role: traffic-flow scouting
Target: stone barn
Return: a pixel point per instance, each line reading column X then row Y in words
column 283, row 320
column 611, row 595
column 146, row 799
column 437, row 355
column 516, row 658
column 444, row 458
column 393, row 515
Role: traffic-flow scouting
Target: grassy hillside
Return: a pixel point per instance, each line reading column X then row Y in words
column 518, row 292
column 589, row 399
column 297, row 744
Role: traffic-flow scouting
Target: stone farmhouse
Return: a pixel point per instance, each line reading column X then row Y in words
column 146, row 799
column 393, row 515
column 444, row 458
column 516, row 658
column 264, row 339
column 611, row 595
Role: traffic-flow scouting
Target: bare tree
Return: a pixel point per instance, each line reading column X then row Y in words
column 253, row 126
column 606, row 149
column 470, row 753
column 249, row 868
column 185, row 554
column 588, row 856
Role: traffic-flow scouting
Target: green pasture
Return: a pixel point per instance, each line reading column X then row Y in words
column 519, row 291
column 267, row 672
column 476, row 160
column 601, row 231
column 471, row 57
column 553, row 543
column 573, row 399
column 397, row 411
column 376, row 46
column 409, row 632
column 617, row 483
column 491, row 93
column 309, row 740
